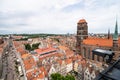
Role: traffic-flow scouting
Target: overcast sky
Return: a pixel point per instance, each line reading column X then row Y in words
column 57, row 16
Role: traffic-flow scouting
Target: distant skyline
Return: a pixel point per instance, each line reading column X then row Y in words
column 57, row 16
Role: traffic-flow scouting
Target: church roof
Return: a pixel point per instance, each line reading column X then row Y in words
column 103, row 42
column 99, row 42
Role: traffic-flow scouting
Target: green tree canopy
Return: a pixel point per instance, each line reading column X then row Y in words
column 57, row 76
column 69, row 77
column 28, row 47
column 33, row 47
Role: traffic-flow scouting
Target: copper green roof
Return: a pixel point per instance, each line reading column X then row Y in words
column 115, row 36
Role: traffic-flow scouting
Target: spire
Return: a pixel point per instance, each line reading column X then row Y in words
column 108, row 33
column 115, row 36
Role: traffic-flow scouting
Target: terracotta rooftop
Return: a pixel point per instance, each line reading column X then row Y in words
column 68, row 61
column 29, row 62
column 21, row 51
column 82, row 21
column 36, row 74
column 99, row 42
column 41, row 76
column 60, row 61
column 69, row 53
column 63, row 47
column 43, row 70
column 40, row 51
column 25, row 55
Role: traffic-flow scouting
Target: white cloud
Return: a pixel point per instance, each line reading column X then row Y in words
column 48, row 16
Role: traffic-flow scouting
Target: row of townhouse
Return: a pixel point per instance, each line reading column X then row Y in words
column 87, row 69
column 63, row 62
column 93, row 68
column 2, row 46
column 62, row 66
column 32, row 69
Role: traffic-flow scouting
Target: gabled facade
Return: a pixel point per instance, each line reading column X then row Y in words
column 63, row 68
column 69, row 65
column 89, row 74
column 51, row 71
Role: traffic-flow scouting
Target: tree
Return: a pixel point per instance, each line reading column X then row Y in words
column 35, row 46
column 56, row 39
column 69, row 77
column 57, row 76
column 28, row 47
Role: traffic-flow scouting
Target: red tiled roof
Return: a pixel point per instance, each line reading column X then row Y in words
column 25, row 55
column 42, row 69
column 40, row 51
column 41, row 76
column 63, row 47
column 29, row 62
column 21, row 51
column 35, row 75
column 82, row 21
column 68, row 61
column 99, row 42
column 60, row 61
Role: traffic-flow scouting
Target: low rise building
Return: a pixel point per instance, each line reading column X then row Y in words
column 69, row 65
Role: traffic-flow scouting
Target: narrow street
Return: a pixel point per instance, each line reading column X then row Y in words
column 9, row 63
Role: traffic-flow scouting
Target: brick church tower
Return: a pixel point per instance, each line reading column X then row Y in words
column 115, row 38
column 82, row 33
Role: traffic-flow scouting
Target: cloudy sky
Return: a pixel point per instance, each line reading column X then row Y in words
column 57, row 16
